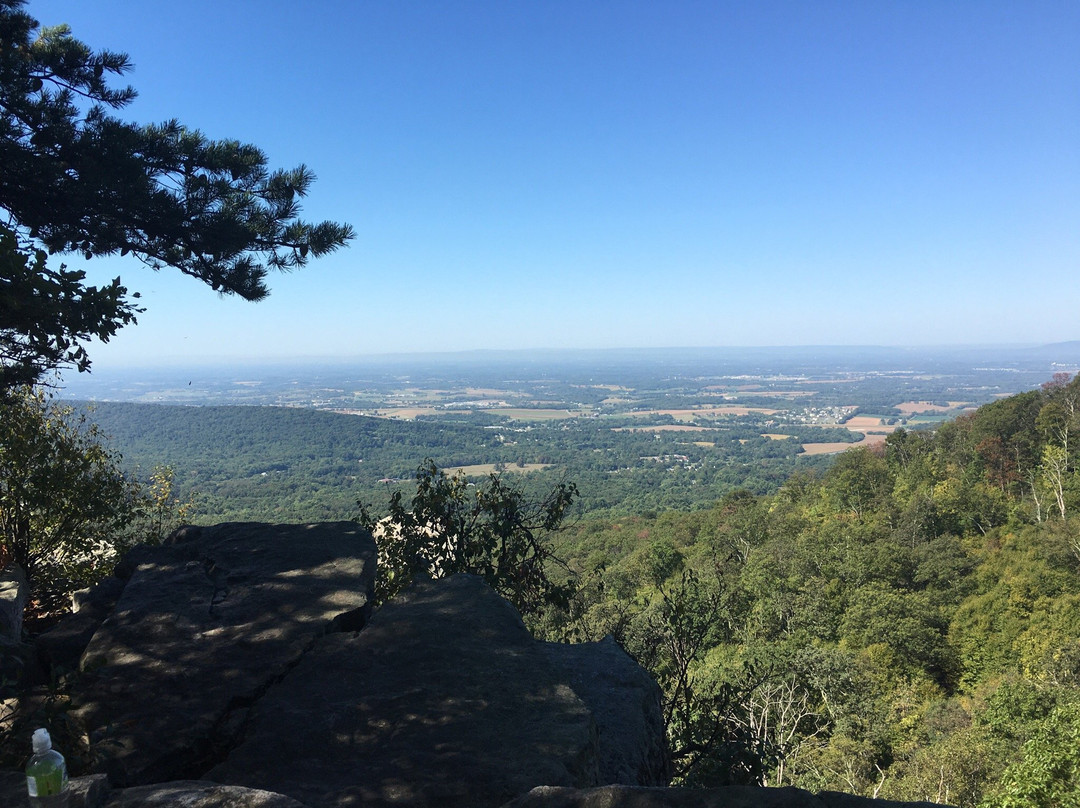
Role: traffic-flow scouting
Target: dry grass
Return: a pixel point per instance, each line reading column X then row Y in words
column 833, row 448
column 912, row 407
column 402, row 413
column 868, row 423
column 526, row 414
column 825, row 448
column 776, row 436
column 711, row 412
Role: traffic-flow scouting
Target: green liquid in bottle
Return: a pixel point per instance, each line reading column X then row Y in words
column 46, row 775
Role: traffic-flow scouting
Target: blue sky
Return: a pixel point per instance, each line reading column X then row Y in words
column 624, row 174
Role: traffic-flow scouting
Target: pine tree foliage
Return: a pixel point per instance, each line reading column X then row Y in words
column 46, row 314
column 78, row 179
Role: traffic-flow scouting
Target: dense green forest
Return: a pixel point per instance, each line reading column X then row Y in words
column 299, row 464
column 905, row 625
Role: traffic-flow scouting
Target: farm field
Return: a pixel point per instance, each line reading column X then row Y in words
column 538, row 414
column 919, row 407
column 402, row 413
column 869, row 423
column 814, row 449
column 712, row 412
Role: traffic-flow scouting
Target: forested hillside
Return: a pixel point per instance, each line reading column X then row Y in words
column 906, row 625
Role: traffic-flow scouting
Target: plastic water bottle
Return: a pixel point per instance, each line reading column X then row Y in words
column 46, row 774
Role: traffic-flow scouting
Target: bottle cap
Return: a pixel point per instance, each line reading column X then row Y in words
column 42, row 741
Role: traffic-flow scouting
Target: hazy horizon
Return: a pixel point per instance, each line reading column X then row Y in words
column 1067, row 348
column 1037, row 363
column 558, row 175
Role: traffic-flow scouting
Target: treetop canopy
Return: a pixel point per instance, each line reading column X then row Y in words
column 75, row 178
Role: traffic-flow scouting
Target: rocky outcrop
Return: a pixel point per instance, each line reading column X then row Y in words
column 61, row 648
column 238, row 667
column 445, row 699
column 94, row 792
column 204, row 625
column 625, row 704
column 727, row 797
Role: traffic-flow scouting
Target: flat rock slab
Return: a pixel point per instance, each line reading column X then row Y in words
column 205, row 624
column 727, row 797
column 444, row 700
column 195, row 794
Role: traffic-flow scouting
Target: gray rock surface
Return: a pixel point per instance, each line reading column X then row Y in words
column 625, row 702
column 728, row 797
column 94, row 792
column 18, row 660
column 62, row 646
column 84, row 792
column 12, row 788
column 445, row 699
column 14, row 594
column 205, row 624
column 195, row 794
column 19, row 667
column 91, row 791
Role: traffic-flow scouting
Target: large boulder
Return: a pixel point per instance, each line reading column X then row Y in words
column 205, row 624
column 445, row 699
column 61, row 647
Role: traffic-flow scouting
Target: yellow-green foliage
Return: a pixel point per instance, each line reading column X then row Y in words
column 906, row 626
column 65, row 505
